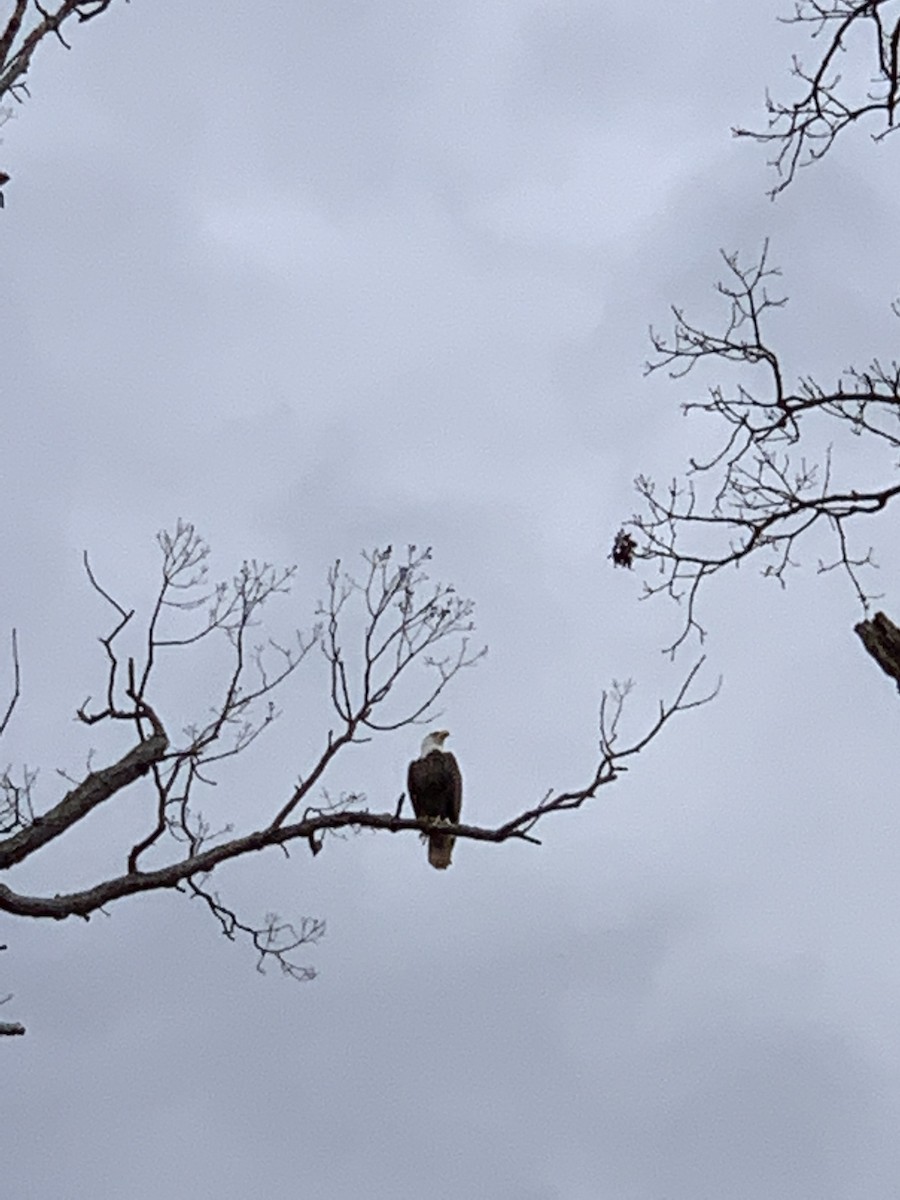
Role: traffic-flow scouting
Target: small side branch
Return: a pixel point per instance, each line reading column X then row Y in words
column 275, row 941
column 17, row 686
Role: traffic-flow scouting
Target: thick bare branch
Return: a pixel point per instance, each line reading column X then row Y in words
column 18, row 41
column 97, row 787
column 11, row 30
column 881, row 638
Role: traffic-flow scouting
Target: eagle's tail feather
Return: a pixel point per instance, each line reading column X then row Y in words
column 440, row 849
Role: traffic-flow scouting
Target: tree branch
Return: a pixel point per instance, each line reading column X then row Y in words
column 93, row 790
column 770, row 479
column 832, row 99
column 17, row 686
column 317, row 823
column 15, row 60
column 881, row 638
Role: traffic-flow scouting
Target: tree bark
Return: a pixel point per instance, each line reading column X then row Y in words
column 881, row 638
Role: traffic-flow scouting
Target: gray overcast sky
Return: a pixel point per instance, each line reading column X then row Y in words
column 321, row 276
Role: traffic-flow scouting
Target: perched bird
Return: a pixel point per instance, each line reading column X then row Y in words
column 435, row 789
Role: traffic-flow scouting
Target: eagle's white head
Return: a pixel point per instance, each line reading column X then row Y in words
column 434, row 741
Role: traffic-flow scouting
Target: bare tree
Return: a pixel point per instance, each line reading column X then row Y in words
column 856, row 74
column 380, row 633
column 782, row 464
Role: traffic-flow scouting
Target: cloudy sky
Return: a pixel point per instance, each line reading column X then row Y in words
column 323, row 276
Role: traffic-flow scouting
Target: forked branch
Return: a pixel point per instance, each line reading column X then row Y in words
column 855, row 74
column 20, row 37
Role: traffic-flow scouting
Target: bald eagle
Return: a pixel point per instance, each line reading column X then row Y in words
column 435, row 789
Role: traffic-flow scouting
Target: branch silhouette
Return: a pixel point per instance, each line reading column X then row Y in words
column 856, row 75
column 775, row 473
column 387, row 626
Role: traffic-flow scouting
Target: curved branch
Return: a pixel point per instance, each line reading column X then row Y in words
column 315, row 824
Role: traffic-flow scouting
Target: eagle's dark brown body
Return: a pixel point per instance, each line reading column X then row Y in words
column 435, row 790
